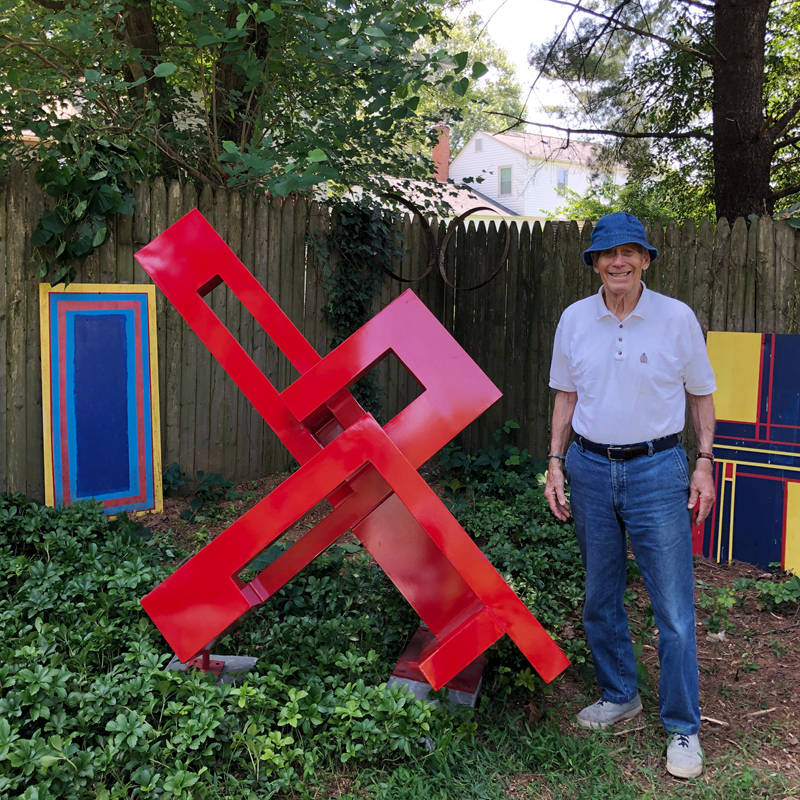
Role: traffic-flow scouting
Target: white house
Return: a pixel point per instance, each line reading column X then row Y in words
column 522, row 171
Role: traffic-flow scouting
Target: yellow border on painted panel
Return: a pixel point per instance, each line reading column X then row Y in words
column 47, row 397
column 791, row 533
column 45, row 290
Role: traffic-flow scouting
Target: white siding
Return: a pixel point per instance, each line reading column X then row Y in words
column 534, row 180
column 486, row 164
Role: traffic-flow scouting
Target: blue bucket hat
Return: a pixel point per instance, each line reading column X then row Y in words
column 615, row 229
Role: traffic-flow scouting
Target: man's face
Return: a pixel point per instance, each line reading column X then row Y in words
column 621, row 267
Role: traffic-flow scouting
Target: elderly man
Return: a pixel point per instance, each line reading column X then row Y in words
column 624, row 362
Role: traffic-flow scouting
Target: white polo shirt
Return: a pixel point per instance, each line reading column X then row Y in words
column 630, row 376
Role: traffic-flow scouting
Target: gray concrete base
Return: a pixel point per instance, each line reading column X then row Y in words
column 422, row 690
column 234, row 666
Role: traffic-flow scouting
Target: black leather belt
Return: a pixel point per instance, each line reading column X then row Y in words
column 622, row 452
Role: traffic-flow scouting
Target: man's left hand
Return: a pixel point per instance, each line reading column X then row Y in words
column 702, row 493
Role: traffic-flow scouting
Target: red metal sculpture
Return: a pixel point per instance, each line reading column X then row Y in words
column 367, row 473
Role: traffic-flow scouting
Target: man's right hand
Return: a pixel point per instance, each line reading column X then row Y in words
column 554, row 490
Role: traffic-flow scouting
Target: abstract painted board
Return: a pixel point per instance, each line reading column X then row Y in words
column 100, row 396
column 367, row 473
column 757, row 450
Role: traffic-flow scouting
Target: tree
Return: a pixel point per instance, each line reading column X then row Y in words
column 668, row 197
column 280, row 96
column 710, row 83
column 494, row 87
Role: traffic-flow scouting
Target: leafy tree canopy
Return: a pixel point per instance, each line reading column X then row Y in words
column 493, row 90
column 281, row 95
column 710, row 86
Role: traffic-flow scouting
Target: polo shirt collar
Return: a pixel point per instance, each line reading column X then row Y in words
column 640, row 310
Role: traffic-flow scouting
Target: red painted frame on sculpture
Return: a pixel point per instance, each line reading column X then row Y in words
column 367, row 473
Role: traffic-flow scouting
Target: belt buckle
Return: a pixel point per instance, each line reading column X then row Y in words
column 611, row 457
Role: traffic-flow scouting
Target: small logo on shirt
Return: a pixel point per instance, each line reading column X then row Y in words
column 643, row 358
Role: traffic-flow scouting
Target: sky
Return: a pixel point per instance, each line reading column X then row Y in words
column 515, row 25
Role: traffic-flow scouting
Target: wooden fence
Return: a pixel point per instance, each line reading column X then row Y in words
column 740, row 277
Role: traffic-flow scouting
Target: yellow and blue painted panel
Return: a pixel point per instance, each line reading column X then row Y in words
column 100, row 396
column 757, row 450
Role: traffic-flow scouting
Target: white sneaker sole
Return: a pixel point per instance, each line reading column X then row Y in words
column 601, row 726
column 679, row 772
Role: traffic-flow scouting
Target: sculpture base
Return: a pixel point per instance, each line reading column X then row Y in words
column 462, row 690
column 226, row 668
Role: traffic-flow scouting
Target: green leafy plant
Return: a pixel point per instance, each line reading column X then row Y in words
column 173, row 478
column 362, row 240
column 210, row 490
column 780, row 594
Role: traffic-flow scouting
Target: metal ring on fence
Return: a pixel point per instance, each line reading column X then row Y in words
column 443, row 250
column 411, row 206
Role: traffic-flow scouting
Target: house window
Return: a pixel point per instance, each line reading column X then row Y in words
column 479, row 145
column 505, row 180
column 561, row 179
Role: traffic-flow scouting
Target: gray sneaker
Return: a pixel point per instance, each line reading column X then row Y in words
column 603, row 714
column 684, row 755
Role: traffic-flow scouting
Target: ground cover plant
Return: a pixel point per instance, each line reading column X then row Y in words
column 87, row 710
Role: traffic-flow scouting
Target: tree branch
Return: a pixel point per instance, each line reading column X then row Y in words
column 697, row 133
column 696, row 4
column 782, row 123
column 676, row 45
column 785, row 192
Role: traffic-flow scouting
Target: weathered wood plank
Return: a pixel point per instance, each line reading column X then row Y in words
column 5, row 254
column 276, row 370
column 217, row 300
column 187, row 402
column 158, row 224
column 246, row 337
column 260, row 238
column 751, row 258
column 203, row 380
column 169, row 356
column 785, row 300
column 736, row 263
column 17, row 408
column 34, row 467
column 686, row 264
column 720, row 275
column 124, row 249
column 702, row 282
column 233, row 317
column 765, row 275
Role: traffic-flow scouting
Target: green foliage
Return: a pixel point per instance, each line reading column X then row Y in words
column 88, row 711
column 492, row 91
column 780, row 594
column 669, row 196
column 88, row 188
column 210, row 490
column 280, row 97
column 717, row 605
column 652, row 76
column 173, row 478
column 363, row 239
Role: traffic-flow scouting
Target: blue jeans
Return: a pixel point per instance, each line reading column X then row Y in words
column 645, row 496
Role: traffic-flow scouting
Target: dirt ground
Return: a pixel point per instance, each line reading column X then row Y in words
column 749, row 666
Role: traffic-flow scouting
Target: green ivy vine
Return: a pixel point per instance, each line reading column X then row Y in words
column 89, row 187
column 362, row 239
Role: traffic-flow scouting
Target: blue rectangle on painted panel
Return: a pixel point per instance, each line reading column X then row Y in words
column 758, row 521
column 101, row 404
column 785, row 401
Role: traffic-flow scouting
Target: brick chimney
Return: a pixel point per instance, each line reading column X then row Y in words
column 441, row 154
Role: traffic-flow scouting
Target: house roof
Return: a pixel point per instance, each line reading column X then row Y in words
column 461, row 198
column 546, row 148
